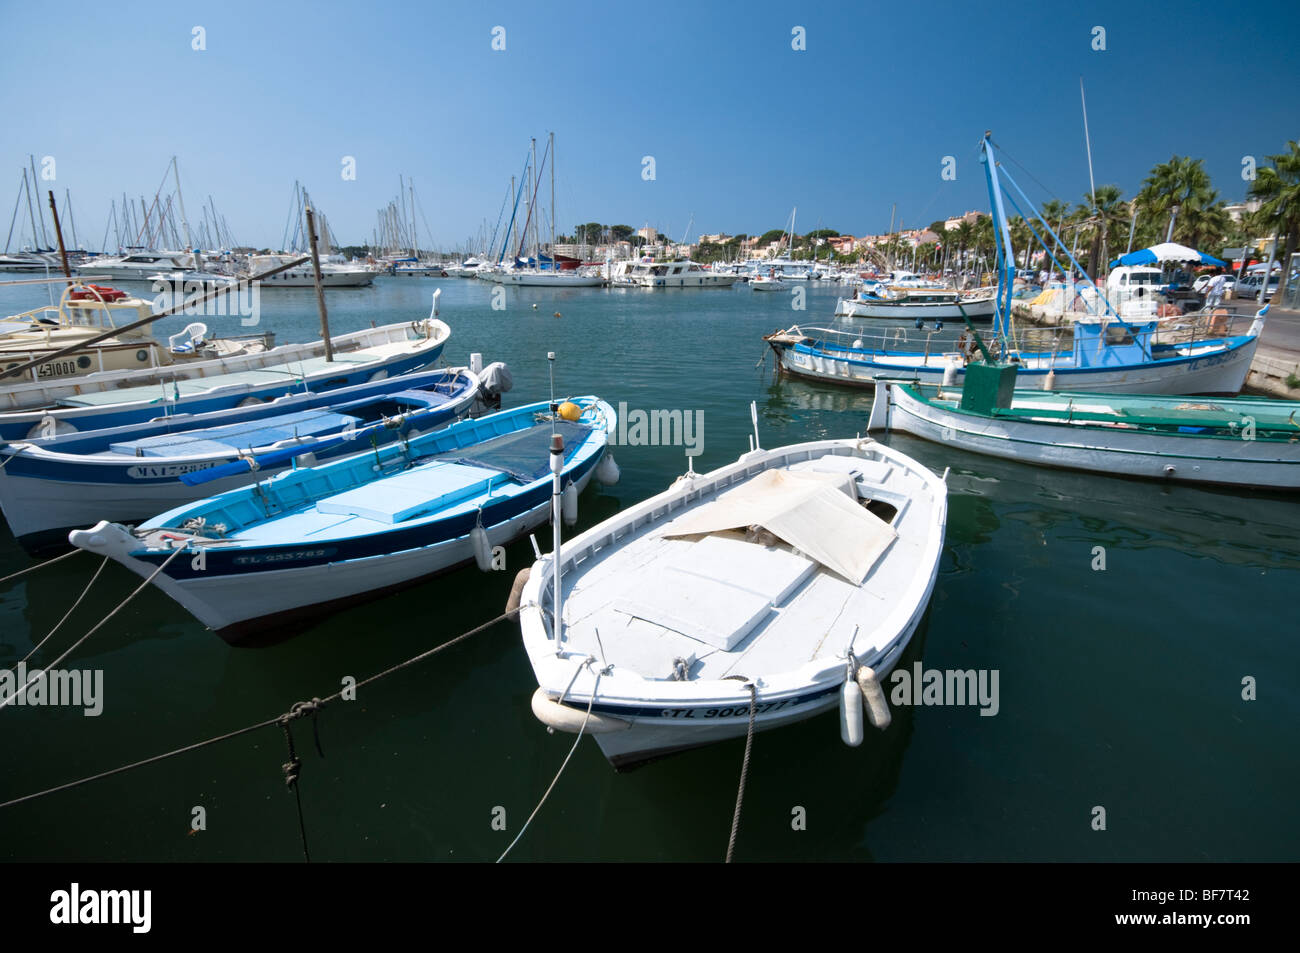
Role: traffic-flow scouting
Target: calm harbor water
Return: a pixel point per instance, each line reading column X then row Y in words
column 1119, row 688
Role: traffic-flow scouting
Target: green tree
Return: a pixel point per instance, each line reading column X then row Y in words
column 1278, row 189
column 1181, row 183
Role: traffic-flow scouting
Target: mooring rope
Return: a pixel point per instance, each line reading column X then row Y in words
column 299, row 710
column 291, row 769
column 551, row 787
column 37, row 647
column 744, row 771
column 48, row 562
column 120, row 606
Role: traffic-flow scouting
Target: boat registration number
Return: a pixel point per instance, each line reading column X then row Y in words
column 57, row 369
column 735, row 711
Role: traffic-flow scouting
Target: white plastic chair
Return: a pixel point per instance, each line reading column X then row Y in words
column 188, row 340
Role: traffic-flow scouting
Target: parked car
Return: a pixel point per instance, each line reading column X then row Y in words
column 1201, row 284
column 1250, row 286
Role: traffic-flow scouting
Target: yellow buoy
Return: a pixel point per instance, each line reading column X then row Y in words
column 570, row 411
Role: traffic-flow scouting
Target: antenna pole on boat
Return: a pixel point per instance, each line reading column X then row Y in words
column 753, row 415
column 58, row 232
column 320, row 290
column 557, row 492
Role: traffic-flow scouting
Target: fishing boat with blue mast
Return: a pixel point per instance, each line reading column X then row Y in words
column 1104, row 351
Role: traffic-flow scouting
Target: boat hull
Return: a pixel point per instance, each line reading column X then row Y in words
column 643, row 717
column 1182, row 458
column 242, row 588
column 680, row 728
column 981, row 310
column 243, row 613
column 543, row 281
column 31, row 403
column 1219, row 371
column 43, row 497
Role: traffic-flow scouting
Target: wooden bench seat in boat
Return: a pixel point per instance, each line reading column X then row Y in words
column 716, row 589
column 237, row 437
column 401, row 496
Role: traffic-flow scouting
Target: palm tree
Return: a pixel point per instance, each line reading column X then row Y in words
column 1278, row 189
column 1109, row 215
column 963, row 235
column 1054, row 213
column 1183, row 184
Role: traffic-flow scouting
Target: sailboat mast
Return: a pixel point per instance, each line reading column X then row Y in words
column 532, row 197
column 415, row 234
column 554, row 263
column 30, row 214
column 180, row 199
column 36, row 191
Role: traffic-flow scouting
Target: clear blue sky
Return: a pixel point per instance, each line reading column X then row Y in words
column 741, row 126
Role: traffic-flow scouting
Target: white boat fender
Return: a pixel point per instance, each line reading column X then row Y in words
column 478, row 538
column 565, row 718
column 949, row 374
column 517, row 589
column 877, row 708
column 607, row 472
column 851, row 713
column 1049, row 380
column 569, row 505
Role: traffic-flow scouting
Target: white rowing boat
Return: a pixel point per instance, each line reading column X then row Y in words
column 801, row 571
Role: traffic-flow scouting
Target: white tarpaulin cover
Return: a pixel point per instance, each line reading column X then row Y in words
column 816, row 513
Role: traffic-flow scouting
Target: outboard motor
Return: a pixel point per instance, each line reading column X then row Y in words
column 494, row 380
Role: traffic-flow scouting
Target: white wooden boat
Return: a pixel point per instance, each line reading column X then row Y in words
column 1242, row 441
column 787, row 570
column 317, row 537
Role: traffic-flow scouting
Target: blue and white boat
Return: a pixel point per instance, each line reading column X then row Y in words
column 315, row 537
column 1103, row 356
column 115, row 398
column 1105, row 352
column 127, row 474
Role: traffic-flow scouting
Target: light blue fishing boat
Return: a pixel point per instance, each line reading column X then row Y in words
column 129, row 473
column 314, row 537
